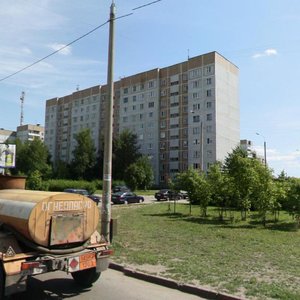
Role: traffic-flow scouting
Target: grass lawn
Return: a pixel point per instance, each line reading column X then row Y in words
column 241, row 258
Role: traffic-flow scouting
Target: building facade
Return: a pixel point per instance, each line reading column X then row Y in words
column 30, row 132
column 185, row 115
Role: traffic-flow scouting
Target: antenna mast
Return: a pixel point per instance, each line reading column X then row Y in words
column 22, row 98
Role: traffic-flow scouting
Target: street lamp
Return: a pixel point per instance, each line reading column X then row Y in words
column 265, row 147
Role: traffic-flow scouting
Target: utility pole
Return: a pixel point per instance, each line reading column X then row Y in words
column 107, row 161
column 22, row 98
column 265, row 148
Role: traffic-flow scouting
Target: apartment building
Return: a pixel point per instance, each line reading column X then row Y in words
column 30, row 132
column 185, row 115
column 7, row 135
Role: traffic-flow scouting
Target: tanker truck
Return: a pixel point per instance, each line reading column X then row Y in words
column 43, row 232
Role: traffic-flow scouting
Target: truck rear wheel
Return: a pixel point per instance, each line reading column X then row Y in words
column 86, row 277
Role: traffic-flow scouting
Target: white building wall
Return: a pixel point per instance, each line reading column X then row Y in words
column 227, row 109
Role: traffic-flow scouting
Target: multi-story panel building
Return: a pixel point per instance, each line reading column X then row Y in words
column 30, row 132
column 7, row 135
column 185, row 115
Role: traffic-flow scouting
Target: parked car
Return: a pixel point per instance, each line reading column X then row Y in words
column 84, row 193
column 126, row 197
column 184, row 194
column 166, row 194
column 121, row 188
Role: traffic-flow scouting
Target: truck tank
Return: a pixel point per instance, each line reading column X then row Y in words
column 49, row 219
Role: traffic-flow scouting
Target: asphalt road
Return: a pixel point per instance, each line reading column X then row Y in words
column 112, row 285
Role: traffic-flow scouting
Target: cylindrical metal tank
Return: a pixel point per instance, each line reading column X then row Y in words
column 49, row 219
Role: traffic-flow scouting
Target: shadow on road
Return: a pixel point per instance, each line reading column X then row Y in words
column 61, row 288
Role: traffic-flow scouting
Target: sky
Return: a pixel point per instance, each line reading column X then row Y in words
column 261, row 37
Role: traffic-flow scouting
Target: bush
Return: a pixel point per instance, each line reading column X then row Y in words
column 35, row 182
column 59, row 185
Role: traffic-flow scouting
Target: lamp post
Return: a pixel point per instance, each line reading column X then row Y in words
column 265, row 148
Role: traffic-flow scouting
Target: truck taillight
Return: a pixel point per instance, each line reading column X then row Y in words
column 29, row 265
column 107, row 252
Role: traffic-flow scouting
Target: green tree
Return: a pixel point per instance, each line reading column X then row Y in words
column 32, row 156
column 196, row 185
column 84, row 156
column 139, row 174
column 221, row 187
column 125, row 152
column 263, row 191
column 239, row 168
column 293, row 202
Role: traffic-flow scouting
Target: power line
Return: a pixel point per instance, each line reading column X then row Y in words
column 74, row 41
column 147, row 4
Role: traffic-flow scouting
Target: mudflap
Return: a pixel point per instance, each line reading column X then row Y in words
column 15, row 284
column 102, row 264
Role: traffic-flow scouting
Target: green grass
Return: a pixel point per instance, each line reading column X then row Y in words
column 241, row 258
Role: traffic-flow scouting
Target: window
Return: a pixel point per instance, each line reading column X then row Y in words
column 162, row 124
column 150, row 84
column 125, row 119
column 209, row 128
column 151, row 104
column 208, row 141
column 209, row 104
column 196, row 119
column 133, row 107
column 152, row 94
column 195, row 95
column 133, row 98
column 195, row 84
column 125, row 100
column 209, row 117
column 208, row 93
column 196, row 130
column 208, row 81
column 150, row 114
column 142, row 106
column 125, row 90
column 196, row 106
column 162, row 135
column 134, row 88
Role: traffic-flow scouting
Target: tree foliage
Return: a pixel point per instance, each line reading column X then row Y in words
column 139, row 174
column 84, row 157
column 32, row 156
column 125, row 152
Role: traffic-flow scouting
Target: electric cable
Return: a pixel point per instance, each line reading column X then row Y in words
column 74, row 41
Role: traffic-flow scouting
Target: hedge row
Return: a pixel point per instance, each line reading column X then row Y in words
column 58, row 185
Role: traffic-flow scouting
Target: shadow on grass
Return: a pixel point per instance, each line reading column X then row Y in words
column 253, row 223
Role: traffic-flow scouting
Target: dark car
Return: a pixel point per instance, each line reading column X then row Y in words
column 121, row 188
column 126, row 197
column 166, row 194
column 83, row 192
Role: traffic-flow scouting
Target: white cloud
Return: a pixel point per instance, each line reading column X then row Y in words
column 267, row 52
column 65, row 50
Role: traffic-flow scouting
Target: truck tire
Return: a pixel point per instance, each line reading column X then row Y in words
column 87, row 277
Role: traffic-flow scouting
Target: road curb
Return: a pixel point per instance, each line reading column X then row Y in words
column 186, row 288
